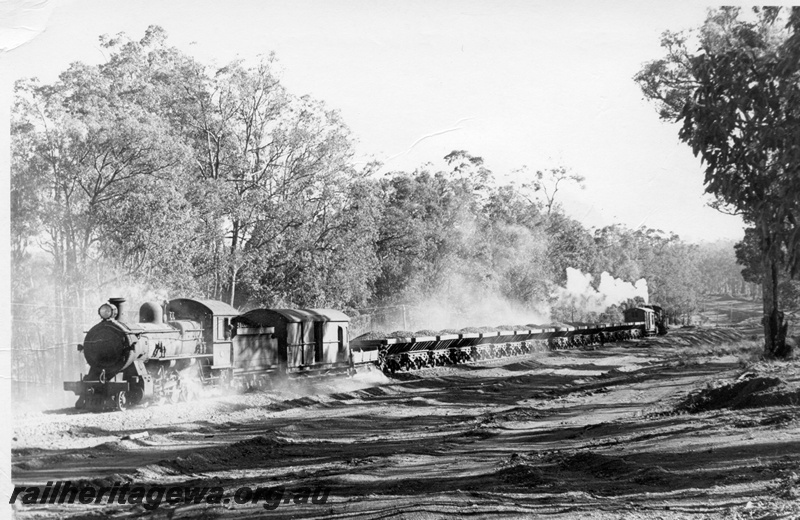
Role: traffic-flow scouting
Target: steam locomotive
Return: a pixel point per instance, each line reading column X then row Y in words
column 183, row 343
column 653, row 316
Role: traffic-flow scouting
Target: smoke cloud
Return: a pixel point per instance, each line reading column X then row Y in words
column 580, row 294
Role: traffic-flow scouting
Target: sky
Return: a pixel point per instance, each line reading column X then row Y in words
column 518, row 83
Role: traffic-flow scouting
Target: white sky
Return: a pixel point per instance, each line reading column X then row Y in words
column 516, row 82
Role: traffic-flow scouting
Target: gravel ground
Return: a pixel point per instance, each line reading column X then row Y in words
column 608, row 433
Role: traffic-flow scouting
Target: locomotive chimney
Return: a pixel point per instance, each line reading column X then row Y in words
column 122, row 308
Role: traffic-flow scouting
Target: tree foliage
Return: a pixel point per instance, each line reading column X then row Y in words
column 737, row 99
column 88, row 153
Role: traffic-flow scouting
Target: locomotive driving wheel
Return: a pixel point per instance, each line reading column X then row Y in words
column 121, row 400
column 175, row 393
column 135, row 396
column 224, row 380
column 183, row 393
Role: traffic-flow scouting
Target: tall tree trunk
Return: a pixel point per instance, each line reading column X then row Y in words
column 774, row 326
column 234, row 267
column 233, row 284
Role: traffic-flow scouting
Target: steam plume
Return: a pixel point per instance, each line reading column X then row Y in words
column 580, row 294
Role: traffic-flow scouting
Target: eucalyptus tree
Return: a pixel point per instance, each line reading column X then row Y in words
column 89, row 154
column 737, row 97
column 274, row 175
column 191, row 177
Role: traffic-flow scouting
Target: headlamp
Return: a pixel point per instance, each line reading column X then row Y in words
column 107, row 311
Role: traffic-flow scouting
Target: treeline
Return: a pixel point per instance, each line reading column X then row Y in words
column 154, row 176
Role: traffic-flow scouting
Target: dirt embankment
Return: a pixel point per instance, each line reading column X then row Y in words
column 750, row 390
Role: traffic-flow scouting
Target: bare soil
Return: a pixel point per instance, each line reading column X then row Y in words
column 683, row 426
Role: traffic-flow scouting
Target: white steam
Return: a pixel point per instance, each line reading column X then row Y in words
column 581, row 295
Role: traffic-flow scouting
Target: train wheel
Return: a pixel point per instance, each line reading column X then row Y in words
column 121, row 400
column 224, row 380
column 184, row 393
column 175, row 394
column 135, row 396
